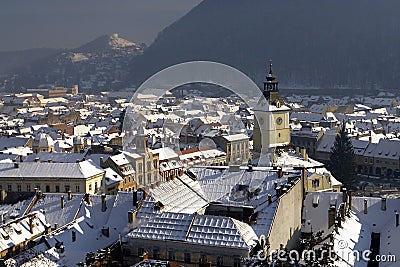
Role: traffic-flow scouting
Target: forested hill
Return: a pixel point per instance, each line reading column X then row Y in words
column 328, row 44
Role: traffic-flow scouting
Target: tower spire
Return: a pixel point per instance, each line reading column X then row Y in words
column 270, row 67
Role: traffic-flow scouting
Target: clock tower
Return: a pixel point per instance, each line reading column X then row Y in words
column 271, row 122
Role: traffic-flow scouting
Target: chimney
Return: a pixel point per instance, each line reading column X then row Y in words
column 350, row 199
column 280, row 173
column 344, row 190
column 365, row 206
column 103, row 203
column 297, row 150
column 38, row 193
column 20, row 158
column 3, row 195
column 37, row 160
column 31, row 224
column 62, row 202
column 250, row 168
column 16, row 165
column 383, row 204
column 135, row 198
column 87, row 198
column 47, row 229
column 278, row 191
column 303, row 152
column 269, row 199
column 341, row 210
column 331, row 216
column 69, row 195
column 284, row 190
column 55, row 226
column 101, row 162
column 73, row 236
column 131, row 216
column 50, row 161
column 275, row 185
column 338, row 221
column 397, row 219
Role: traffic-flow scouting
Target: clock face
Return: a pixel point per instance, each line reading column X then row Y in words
column 279, row 120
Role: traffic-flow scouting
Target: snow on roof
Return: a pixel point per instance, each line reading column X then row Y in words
column 111, row 176
column 50, row 205
column 167, row 225
column 12, row 211
column 55, row 157
column 314, row 221
column 207, row 230
column 388, row 149
column 170, row 165
column 224, row 186
column 326, row 143
column 236, row 137
column 18, row 231
column 119, row 159
column 165, row 153
column 88, row 229
column 6, row 141
column 181, row 194
column 355, row 232
column 84, row 169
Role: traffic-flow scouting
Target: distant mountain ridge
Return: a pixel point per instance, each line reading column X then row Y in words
column 312, row 43
column 99, row 64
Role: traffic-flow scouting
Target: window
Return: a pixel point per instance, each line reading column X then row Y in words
column 77, row 189
column 187, row 257
column 366, row 160
column 28, row 188
column 19, row 189
column 315, row 183
column 95, row 186
column 47, row 188
column 1, row 187
column 203, row 258
column 140, row 167
column 156, row 253
column 67, row 188
column 220, row 261
column 171, row 255
column 236, row 262
column 57, row 189
column 90, row 187
column 371, row 160
column 148, row 166
column 9, row 188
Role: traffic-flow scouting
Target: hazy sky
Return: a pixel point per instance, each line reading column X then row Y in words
column 57, row 23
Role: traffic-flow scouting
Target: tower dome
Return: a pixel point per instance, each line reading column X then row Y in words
column 43, row 143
